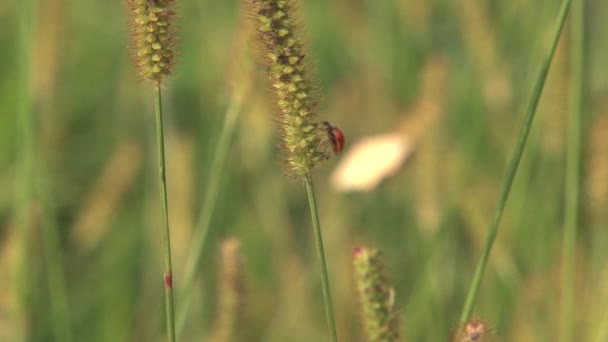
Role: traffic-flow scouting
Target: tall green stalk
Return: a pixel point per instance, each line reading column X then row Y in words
column 153, row 33
column 168, row 272
column 305, row 142
column 329, row 309
column 573, row 169
column 209, row 201
column 514, row 163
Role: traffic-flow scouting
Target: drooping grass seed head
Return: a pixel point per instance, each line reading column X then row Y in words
column 303, row 140
column 380, row 319
column 153, row 34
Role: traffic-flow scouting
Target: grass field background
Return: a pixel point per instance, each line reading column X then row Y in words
column 80, row 233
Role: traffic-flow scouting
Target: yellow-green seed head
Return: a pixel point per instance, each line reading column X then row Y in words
column 230, row 288
column 380, row 320
column 304, row 144
column 153, row 37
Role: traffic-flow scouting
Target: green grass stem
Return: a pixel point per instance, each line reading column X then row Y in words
column 168, row 272
column 514, row 163
column 329, row 309
column 573, row 170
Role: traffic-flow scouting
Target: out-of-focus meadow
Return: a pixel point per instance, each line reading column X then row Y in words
column 80, row 232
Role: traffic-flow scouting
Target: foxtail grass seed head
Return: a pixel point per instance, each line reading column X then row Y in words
column 153, row 36
column 475, row 330
column 230, row 287
column 380, row 319
column 305, row 143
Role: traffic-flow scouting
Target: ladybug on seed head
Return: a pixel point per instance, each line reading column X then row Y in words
column 335, row 136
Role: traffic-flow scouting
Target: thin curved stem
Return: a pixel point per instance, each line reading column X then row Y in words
column 514, row 163
column 168, row 272
column 329, row 309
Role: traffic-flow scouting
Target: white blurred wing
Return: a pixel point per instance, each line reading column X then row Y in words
column 371, row 160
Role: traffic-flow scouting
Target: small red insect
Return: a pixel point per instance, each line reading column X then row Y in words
column 335, row 135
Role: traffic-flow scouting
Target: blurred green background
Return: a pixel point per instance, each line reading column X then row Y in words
column 80, row 237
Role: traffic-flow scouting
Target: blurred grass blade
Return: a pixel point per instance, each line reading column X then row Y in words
column 33, row 188
column 53, row 258
column 514, row 163
column 573, row 169
column 209, row 201
column 25, row 168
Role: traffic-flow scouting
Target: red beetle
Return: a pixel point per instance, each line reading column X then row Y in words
column 335, row 135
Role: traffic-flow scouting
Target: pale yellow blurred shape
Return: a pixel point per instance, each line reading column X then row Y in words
column 595, row 303
column 551, row 120
column 240, row 65
column 255, row 134
column 417, row 15
column 47, row 46
column 423, row 125
column 12, row 320
column 182, row 190
column 295, row 310
column 229, row 291
column 47, row 54
column 106, row 194
column 370, row 161
column 597, row 167
column 480, row 38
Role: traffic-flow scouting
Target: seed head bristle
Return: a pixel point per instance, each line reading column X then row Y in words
column 380, row 320
column 283, row 54
column 153, row 34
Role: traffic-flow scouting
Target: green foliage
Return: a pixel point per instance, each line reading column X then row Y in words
column 88, row 120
